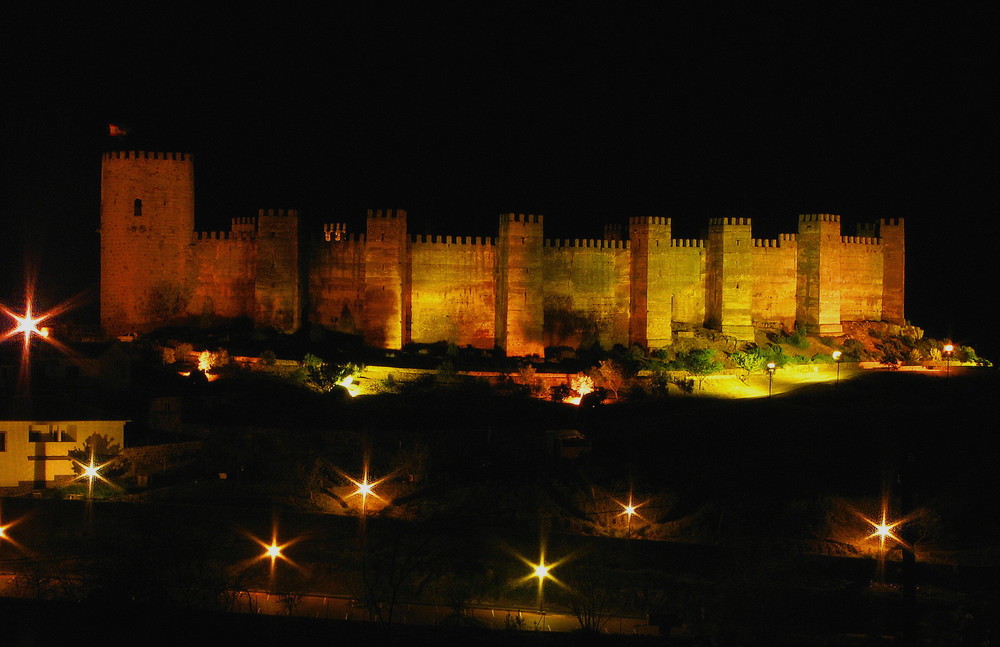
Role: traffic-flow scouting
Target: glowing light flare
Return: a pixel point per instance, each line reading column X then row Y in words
column 5, row 535
column 582, row 385
column 366, row 489
column 90, row 471
column 629, row 509
column 348, row 383
column 273, row 551
column 541, row 571
column 26, row 324
column 884, row 531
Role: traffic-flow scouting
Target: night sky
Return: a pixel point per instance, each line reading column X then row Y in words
column 586, row 113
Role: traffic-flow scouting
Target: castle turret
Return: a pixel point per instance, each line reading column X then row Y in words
column 893, row 269
column 147, row 224
column 387, row 294
column 520, row 285
column 817, row 294
column 277, row 296
column 650, row 300
column 730, row 277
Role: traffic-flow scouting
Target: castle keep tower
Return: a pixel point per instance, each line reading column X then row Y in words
column 147, row 222
column 893, row 268
column 277, row 289
column 650, row 301
column 387, row 293
column 520, row 285
column 729, row 277
column 817, row 294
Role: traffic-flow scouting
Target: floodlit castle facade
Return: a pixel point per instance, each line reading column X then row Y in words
column 517, row 291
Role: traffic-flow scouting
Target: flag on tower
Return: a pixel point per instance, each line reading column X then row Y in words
column 116, row 131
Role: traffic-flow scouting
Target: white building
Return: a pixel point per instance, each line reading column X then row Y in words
column 37, row 451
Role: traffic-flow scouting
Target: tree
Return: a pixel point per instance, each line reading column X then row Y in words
column 592, row 597
column 323, row 377
column 608, row 375
column 752, row 361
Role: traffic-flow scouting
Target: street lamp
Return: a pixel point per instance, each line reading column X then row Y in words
column 884, row 531
column 90, row 472
column 771, row 367
column 541, row 571
column 837, row 356
column 947, row 351
column 629, row 510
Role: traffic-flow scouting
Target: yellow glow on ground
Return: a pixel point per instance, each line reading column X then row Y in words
column 785, row 381
column 348, row 383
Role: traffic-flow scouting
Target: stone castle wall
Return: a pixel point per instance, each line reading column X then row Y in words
column 585, row 292
column 452, row 290
column 517, row 291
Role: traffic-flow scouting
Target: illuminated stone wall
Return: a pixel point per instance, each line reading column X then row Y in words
column 336, row 293
column 386, row 297
column 517, row 291
column 519, row 288
column 277, row 296
column 147, row 222
column 586, row 293
column 452, row 290
column 682, row 271
column 773, row 264
column 893, row 272
column 650, row 308
column 221, row 274
column 730, row 277
column 819, row 283
column 860, row 279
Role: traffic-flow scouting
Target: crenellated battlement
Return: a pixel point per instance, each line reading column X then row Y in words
column 860, row 240
column 729, row 221
column 782, row 240
column 147, row 155
column 649, row 220
column 818, row 217
column 278, row 213
column 386, row 213
column 481, row 241
column 354, row 237
column 334, row 231
column 533, row 219
column 223, row 236
column 585, row 243
column 518, row 291
column 687, row 242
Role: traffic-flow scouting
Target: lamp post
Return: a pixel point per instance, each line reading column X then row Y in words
column 771, row 367
column 837, row 356
column 541, row 571
column 947, row 351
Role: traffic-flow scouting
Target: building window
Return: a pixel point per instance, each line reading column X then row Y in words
column 137, row 207
column 3, row 441
column 43, row 434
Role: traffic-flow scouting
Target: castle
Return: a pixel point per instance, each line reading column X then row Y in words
column 517, row 291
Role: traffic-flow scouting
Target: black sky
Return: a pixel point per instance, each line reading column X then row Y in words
column 586, row 113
